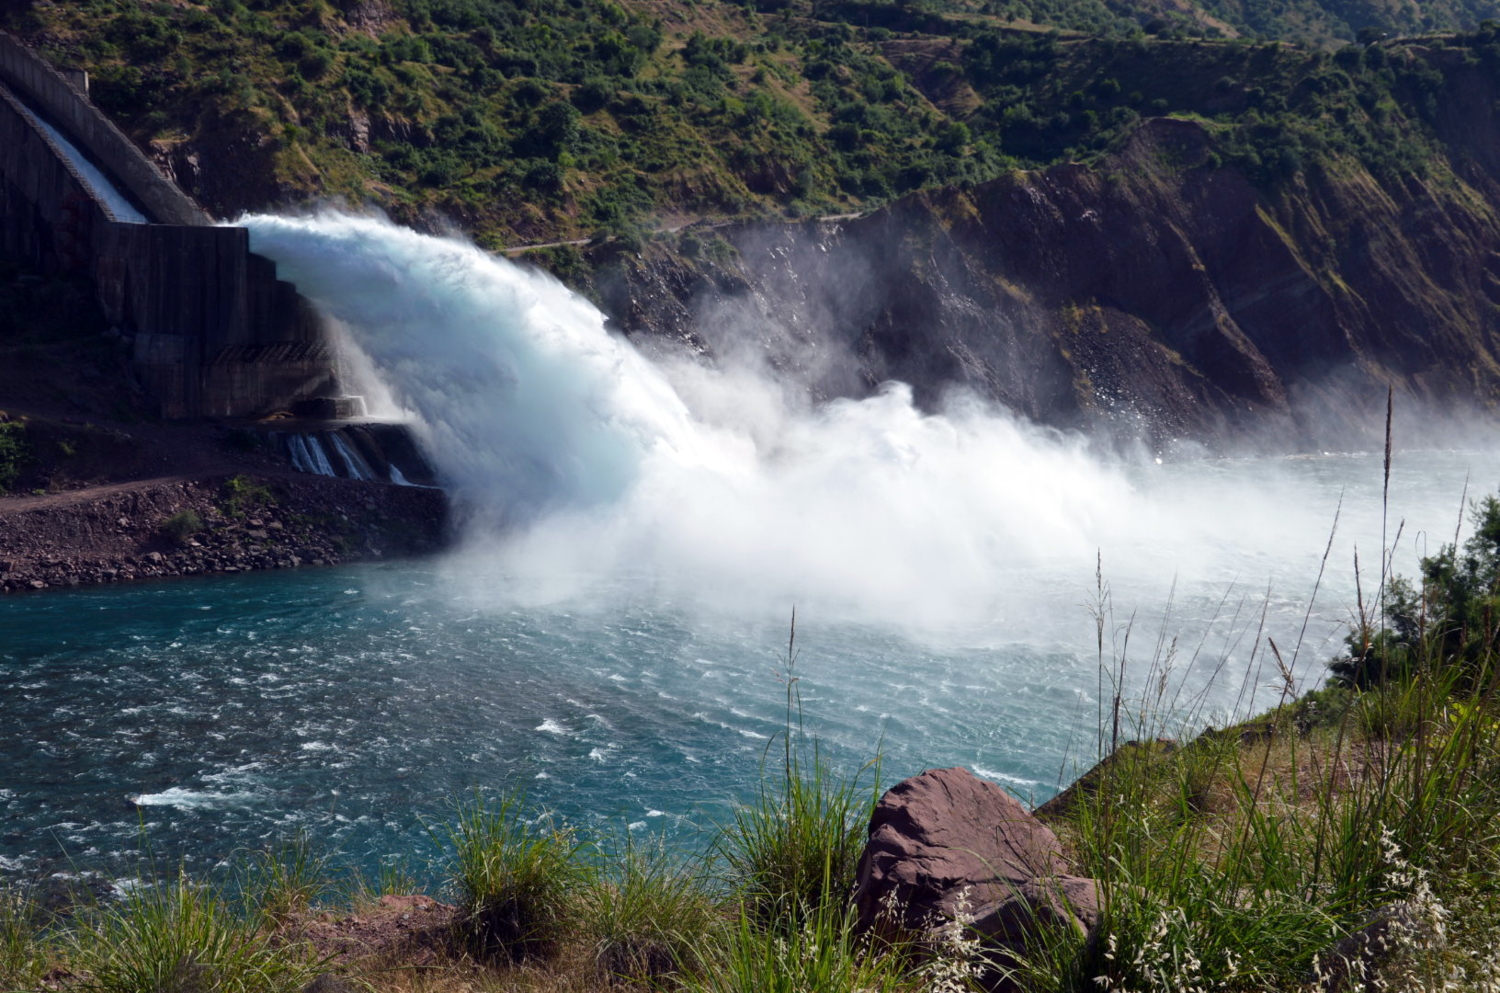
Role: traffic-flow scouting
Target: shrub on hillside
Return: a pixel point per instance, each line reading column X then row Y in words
column 240, row 494
column 182, row 525
column 1449, row 620
column 13, row 453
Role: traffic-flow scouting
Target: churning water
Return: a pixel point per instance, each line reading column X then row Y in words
column 610, row 635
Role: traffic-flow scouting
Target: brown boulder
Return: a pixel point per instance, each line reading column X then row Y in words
column 946, row 845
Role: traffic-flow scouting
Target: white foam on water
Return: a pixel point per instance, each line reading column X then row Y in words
column 185, row 799
column 126, row 885
column 1004, row 777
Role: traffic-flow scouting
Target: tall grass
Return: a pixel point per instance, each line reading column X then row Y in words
column 650, row 913
column 284, row 880
column 819, row 952
column 178, row 935
column 24, row 948
column 1241, row 860
column 794, row 848
column 1233, row 863
column 516, row 878
column 360, row 888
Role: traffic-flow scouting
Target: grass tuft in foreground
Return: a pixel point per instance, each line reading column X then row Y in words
column 182, row 935
column 819, row 951
column 795, row 847
column 649, row 914
column 516, row 878
column 285, row 880
column 24, row 948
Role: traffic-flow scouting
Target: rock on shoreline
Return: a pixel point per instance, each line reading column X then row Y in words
column 948, row 846
column 244, row 524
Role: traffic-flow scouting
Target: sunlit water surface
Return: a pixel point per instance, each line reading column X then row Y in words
column 206, row 717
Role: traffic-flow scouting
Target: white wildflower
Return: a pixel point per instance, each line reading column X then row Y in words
column 956, row 951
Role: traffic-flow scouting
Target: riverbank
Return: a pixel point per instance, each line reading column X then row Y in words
column 110, row 497
column 210, row 523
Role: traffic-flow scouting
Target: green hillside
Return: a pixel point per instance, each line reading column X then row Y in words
column 532, row 120
column 521, row 119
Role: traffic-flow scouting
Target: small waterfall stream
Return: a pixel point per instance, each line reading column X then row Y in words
column 306, row 453
column 354, row 464
column 94, row 178
column 371, row 452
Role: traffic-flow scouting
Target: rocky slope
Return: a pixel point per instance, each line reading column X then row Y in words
column 1159, row 292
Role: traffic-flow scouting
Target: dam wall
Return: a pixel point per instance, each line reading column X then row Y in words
column 56, row 96
column 212, row 331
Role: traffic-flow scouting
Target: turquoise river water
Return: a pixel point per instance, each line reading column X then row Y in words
column 610, row 633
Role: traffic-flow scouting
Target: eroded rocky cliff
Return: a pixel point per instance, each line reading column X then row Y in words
column 1159, row 292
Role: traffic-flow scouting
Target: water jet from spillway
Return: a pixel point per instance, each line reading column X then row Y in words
column 582, row 467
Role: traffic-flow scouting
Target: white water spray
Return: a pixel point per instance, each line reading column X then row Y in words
column 586, row 468
column 526, row 404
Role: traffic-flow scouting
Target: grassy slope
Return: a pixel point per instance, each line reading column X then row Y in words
column 526, row 120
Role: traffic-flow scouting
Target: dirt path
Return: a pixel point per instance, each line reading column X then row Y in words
column 90, row 494
column 261, row 469
column 519, row 249
column 668, row 229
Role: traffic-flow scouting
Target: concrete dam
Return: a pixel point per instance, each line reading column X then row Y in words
column 212, row 332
